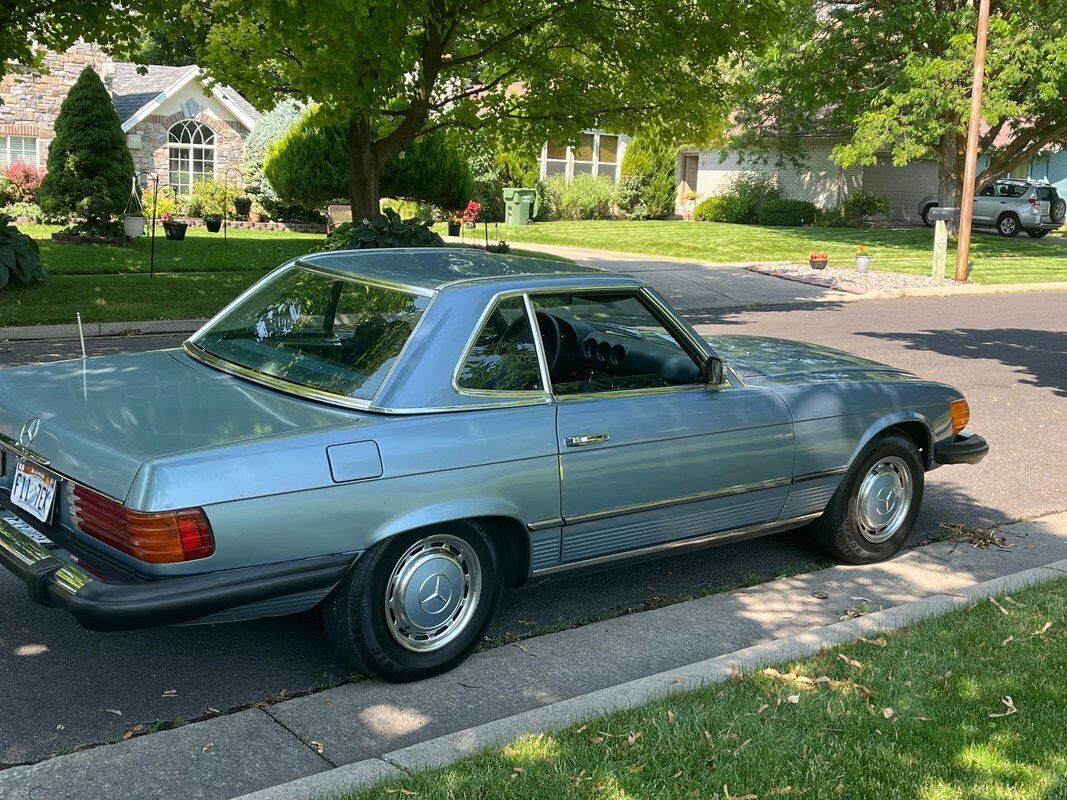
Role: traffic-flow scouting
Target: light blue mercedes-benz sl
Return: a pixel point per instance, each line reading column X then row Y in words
column 397, row 435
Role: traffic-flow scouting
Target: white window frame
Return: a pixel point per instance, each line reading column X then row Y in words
column 5, row 150
column 208, row 144
column 599, row 168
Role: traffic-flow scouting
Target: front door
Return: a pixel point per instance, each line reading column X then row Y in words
column 648, row 453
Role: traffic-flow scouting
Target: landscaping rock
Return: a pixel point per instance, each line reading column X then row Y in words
column 849, row 279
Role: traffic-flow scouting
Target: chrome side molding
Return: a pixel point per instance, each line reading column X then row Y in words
column 22, row 450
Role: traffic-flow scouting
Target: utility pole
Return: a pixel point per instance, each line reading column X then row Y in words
column 963, row 243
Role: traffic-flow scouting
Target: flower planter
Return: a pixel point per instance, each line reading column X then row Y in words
column 453, row 229
column 818, row 263
column 242, row 205
column 175, row 230
column 213, row 224
column 863, row 263
column 133, row 226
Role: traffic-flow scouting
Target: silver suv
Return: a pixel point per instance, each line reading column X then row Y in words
column 1010, row 206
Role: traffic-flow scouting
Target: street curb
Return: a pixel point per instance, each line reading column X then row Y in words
column 96, row 329
column 448, row 749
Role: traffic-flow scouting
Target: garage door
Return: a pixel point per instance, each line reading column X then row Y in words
column 905, row 186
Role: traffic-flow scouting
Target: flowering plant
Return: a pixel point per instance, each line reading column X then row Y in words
column 24, row 180
column 470, row 213
column 862, row 250
column 166, row 217
column 818, row 257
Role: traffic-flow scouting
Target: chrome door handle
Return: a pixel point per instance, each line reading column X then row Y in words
column 586, row 439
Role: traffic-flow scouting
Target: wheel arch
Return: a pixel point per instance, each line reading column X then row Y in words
column 504, row 526
column 909, row 423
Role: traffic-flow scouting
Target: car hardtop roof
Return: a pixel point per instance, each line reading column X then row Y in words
column 433, row 268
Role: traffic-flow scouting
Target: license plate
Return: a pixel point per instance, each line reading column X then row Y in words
column 34, row 491
column 27, row 530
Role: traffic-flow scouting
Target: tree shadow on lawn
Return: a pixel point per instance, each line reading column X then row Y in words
column 1040, row 355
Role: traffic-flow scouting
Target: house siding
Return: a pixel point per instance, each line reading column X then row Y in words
column 905, row 186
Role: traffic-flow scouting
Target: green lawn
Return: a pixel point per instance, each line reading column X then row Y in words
column 920, row 713
column 996, row 259
column 194, row 278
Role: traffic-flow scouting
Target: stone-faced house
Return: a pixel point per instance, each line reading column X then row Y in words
column 175, row 126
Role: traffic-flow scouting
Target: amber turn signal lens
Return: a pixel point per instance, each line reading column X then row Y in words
column 961, row 414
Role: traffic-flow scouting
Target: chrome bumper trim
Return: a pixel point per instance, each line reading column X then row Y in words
column 27, row 552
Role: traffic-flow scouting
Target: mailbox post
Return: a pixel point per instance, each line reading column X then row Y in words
column 941, row 217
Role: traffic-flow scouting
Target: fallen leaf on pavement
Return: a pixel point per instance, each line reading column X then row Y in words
column 850, row 661
column 1000, row 608
column 820, row 595
column 170, row 693
column 318, row 747
column 1009, row 704
column 131, row 731
column 1044, row 629
column 207, row 747
column 852, row 613
column 114, row 711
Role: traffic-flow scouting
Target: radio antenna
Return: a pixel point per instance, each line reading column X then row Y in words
column 81, row 333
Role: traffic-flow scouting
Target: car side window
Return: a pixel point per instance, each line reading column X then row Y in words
column 598, row 342
column 503, row 358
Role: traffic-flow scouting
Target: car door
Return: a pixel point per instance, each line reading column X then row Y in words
column 986, row 205
column 649, row 454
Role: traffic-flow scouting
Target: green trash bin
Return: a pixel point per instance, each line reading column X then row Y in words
column 520, row 206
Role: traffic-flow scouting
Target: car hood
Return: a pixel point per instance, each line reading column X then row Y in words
column 766, row 360
column 102, row 418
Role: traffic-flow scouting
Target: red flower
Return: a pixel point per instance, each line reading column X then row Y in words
column 470, row 213
column 24, row 181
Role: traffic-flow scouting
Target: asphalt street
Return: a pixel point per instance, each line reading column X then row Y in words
column 65, row 687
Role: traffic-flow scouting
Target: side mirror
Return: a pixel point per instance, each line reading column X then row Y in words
column 713, row 371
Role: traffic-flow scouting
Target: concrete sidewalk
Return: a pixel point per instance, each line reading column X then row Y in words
column 538, row 682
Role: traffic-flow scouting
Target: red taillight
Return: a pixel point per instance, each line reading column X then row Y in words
column 159, row 538
column 1035, row 203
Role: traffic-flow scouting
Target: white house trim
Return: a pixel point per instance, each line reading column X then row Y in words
column 193, row 73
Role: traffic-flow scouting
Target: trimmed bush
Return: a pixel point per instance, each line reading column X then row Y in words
column 385, row 230
column 583, row 197
column 785, row 213
column 647, row 188
column 89, row 165
column 309, row 167
column 721, row 208
column 859, row 205
column 22, row 181
column 20, row 258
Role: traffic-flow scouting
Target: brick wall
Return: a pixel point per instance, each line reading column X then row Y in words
column 32, row 99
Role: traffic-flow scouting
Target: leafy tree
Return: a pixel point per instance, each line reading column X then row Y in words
column 649, row 170
column 90, row 169
column 271, row 127
column 898, row 75
column 309, row 166
column 28, row 28
column 389, row 72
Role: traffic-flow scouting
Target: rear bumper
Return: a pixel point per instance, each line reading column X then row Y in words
column 961, row 450
column 54, row 577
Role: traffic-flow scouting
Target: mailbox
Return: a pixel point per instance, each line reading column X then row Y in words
column 943, row 214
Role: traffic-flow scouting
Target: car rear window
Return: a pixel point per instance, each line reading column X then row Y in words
column 1047, row 193
column 316, row 329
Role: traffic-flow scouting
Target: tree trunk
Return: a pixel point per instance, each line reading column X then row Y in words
column 950, row 153
column 363, row 171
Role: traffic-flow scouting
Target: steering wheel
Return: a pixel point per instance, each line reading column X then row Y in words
column 551, row 336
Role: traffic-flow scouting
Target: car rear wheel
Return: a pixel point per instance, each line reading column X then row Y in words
column 1008, row 225
column 1037, row 234
column 873, row 510
column 417, row 604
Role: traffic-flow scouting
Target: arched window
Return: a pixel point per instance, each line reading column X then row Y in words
column 191, row 149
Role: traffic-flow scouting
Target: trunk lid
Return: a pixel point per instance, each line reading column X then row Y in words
column 766, row 360
column 102, row 418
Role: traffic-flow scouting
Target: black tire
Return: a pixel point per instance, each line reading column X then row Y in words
column 1008, row 225
column 1037, row 234
column 356, row 615
column 1058, row 211
column 926, row 214
column 838, row 531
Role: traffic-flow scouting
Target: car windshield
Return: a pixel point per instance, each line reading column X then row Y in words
column 316, row 329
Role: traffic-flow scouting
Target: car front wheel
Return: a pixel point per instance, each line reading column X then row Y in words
column 417, row 604
column 873, row 510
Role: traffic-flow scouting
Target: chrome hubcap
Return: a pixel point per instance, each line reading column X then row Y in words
column 433, row 593
column 1007, row 225
column 884, row 500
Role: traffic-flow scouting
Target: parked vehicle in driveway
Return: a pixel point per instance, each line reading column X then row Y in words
column 398, row 435
column 1011, row 206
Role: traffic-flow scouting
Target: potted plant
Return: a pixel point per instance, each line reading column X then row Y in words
column 454, row 221
column 863, row 258
column 213, row 222
column 470, row 213
column 174, row 229
column 242, row 205
column 818, row 260
column 133, row 225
